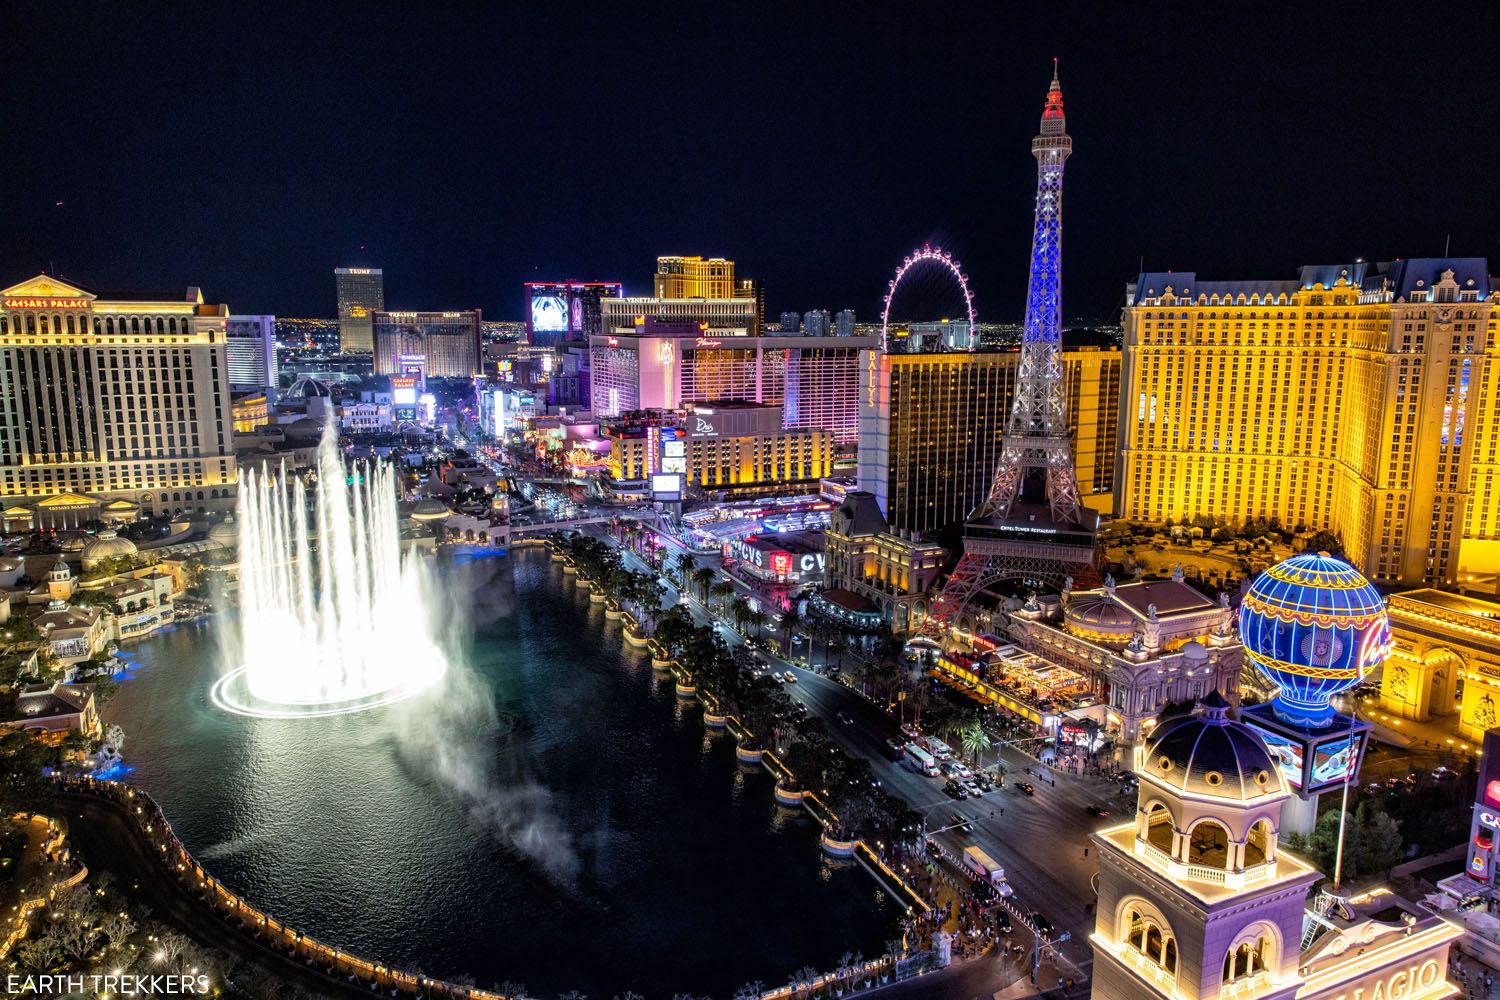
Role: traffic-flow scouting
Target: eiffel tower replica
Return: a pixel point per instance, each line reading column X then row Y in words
column 1032, row 526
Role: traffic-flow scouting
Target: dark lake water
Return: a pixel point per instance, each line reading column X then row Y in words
column 555, row 817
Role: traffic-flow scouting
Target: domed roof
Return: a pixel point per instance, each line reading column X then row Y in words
column 106, row 545
column 1210, row 754
column 1098, row 616
column 225, row 533
column 429, row 510
column 1194, row 651
column 308, row 388
column 1315, row 628
column 304, row 429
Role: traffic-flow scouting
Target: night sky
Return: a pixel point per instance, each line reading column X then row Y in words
column 251, row 148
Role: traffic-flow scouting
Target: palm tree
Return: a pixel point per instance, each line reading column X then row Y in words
column 974, row 740
column 758, row 618
column 685, row 565
column 789, row 620
column 739, row 609
column 703, row 576
column 722, row 590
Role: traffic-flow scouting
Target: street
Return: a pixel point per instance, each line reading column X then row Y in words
column 1039, row 840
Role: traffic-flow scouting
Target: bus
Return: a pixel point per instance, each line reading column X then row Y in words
column 921, row 761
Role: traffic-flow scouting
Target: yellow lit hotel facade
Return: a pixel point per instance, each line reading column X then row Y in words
column 1359, row 398
column 1444, row 662
column 111, row 407
column 694, row 278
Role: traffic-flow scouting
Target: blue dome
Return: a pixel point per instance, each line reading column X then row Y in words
column 1315, row 628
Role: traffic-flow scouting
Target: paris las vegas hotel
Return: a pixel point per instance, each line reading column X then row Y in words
column 1362, row 398
column 111, row 407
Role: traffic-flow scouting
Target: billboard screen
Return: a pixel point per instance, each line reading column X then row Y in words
column 549, row 314
column 1334, row 761
column 1287, row 753
column 666, row 487
column 404, row 395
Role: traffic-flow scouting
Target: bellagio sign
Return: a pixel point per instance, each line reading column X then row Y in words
column 1413, row 982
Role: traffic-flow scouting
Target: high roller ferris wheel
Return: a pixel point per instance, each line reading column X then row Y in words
column 923, row 256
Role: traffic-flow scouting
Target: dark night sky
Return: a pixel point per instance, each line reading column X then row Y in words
column 249, row 148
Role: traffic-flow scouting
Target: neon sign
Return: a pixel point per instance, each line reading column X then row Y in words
column 71, row 303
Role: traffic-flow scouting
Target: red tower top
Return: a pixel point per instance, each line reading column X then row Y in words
column 1054, row 108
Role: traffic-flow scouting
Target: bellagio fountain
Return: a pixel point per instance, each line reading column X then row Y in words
column 333, row 618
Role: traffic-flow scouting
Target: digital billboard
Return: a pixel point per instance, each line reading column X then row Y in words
column 549, row 314
column 1334, row 761
column 666, row 487
column 1288, row 755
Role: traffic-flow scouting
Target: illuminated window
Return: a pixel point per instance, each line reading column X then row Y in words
column 1147, row 937
column 1246, row 959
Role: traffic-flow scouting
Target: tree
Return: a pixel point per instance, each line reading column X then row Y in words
column 22, row 786
column 758, row 619
column 97, row 599
column 722, row 590
column 789, row 620
column 703, row 577
column 1372, row 842
column 974, row 741
column 685, row 565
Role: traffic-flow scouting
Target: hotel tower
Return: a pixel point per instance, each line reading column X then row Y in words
column 1359, row 398
column 110, row 406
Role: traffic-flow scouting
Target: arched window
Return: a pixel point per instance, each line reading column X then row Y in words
column 1246, row 959
column 1149, row 938
column 1208, row 845
column 1259, row 844
column 1159, row 828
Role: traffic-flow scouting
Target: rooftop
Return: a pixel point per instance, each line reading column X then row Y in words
column 1473, row 607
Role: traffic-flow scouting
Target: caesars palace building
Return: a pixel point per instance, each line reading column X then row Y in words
column 111, row 406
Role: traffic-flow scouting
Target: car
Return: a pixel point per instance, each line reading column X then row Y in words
column 954, row 790
column 1443, row 773
column 954, row 769
column 1026, row 787
column 972, row 787
column 895, row 748
column 1002, row 920
column 958, row 822
column 845, row 718
column 791, row 678
column 1099, row 811
column 1042, row 924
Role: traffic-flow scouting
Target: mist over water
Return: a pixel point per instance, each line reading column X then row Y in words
column 550, row 794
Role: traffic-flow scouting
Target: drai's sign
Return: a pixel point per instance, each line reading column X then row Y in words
column 702, row 428
column 1412, row 981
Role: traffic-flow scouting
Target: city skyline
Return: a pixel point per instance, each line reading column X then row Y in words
column 846, row 171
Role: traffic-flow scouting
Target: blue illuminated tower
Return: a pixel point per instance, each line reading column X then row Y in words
column 1032, row 525
column 1036, row 438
